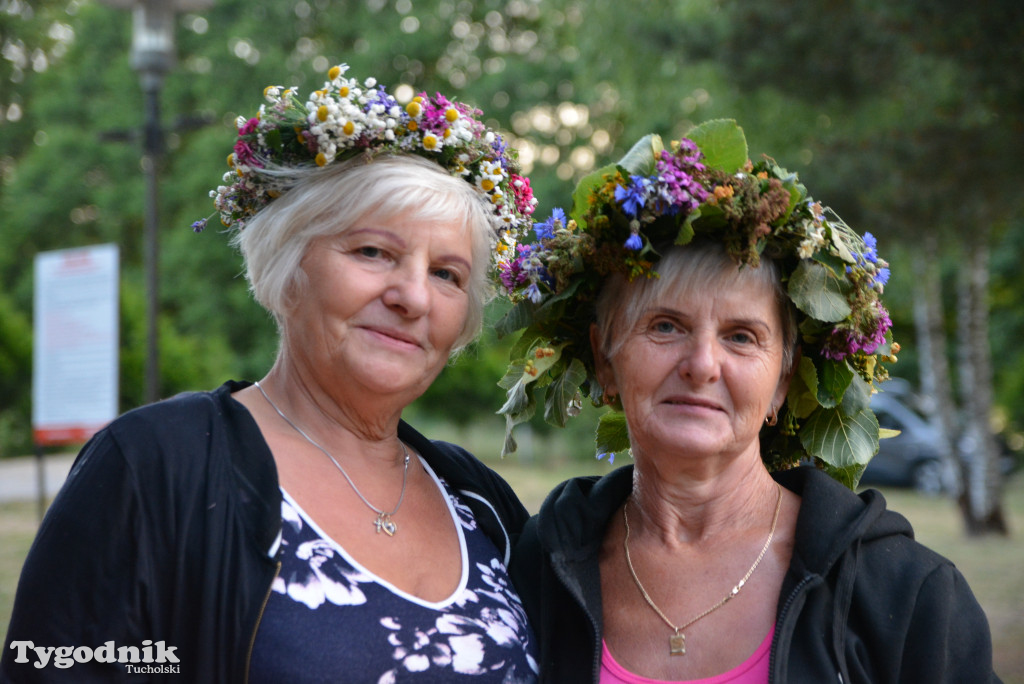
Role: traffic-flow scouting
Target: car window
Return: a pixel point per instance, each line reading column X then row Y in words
column 887, row 420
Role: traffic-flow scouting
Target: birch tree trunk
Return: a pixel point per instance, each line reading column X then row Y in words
column 933, row 362
column 981, row 498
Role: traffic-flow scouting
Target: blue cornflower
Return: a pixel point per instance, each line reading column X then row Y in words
column 381, row 97
column 634, row 242
column 882, row 277
column 871, row 253
column 546, row 230
column 611, row 457
column 634, row 196
column 534, row 293
column 199, row 225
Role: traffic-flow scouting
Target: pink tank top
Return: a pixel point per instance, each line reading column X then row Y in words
column 754, row 670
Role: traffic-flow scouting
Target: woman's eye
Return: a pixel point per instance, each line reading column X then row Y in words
column 371, row 252
column 741, row 337
column 448, row 275
column 663, row 327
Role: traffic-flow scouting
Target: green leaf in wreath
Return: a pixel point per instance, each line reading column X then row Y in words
column 642, row 158
column 843, row 241
column 830, row 261
column 273, row 138
column 802, row 397
column 858, row 395
column 517, row 400
column 835, row 378
column 513, row 375
column 685, row 234
column 723, row 144
column 612, row 433
column 817, row 292
column 519, row 408
column 530, row 338
column 841, row 440
column 518, row 317
column 581, row 194
column 848, row 476
column 563, row 392
column 796, row 190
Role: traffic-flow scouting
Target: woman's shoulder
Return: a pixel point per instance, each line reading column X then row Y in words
column 178, row 433
column 576, row 511
column 833, row 519
column 167, row 415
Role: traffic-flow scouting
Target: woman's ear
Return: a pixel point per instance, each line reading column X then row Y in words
column 602, row 366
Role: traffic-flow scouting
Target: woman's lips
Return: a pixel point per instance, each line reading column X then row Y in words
column 693, row 402
column 393, row 334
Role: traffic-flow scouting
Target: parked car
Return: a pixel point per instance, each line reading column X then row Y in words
column 913, row 458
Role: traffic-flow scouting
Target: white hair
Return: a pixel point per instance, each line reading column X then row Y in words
column 331, row 200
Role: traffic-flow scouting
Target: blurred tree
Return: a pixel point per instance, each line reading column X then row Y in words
column 15, row 376
column 924, row 101
column 878, row 105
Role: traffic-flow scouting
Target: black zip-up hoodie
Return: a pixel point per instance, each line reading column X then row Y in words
column 861, row 601
column 163, row 532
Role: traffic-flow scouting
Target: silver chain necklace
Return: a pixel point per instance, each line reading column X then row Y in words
column 383, row 522
column 677, row 641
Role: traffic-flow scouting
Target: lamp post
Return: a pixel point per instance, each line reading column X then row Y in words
column 152, row 56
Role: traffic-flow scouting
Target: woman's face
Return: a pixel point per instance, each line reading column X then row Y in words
column 385, row 303
column 699, row 373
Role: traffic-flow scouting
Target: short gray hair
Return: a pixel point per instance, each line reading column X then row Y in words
column 329, row 201
column 680, row 271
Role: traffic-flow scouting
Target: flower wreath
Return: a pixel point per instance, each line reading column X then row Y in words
column 345, row 119
column 705, row 186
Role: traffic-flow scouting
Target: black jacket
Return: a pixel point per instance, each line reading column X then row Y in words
column 163, row 530
column 861, row 601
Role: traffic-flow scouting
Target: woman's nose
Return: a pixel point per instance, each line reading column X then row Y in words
column 700, row 360
column 408, row 292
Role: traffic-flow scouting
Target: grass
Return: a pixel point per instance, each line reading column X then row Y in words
column 994, row 567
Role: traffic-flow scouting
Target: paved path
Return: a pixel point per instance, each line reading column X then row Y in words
column 19, row 477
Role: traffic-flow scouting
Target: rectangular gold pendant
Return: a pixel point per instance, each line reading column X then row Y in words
column 677, row 644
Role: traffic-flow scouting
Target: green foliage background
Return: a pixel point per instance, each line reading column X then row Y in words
column 904, row 115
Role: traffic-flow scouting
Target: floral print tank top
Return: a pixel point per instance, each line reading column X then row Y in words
column 328, row 619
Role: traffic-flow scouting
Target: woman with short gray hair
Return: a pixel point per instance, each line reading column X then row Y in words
column 295, row 528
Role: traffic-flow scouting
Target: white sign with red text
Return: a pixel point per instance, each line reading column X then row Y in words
column 75, row 343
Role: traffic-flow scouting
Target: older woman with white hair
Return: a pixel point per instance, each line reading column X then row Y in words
column 736, row 328
column 296, row 529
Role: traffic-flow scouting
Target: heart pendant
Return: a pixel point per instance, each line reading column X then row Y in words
column 385, row 524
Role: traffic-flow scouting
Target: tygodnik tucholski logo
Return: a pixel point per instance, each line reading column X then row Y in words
column 149, row 658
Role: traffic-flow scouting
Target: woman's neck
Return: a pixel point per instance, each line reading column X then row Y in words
column 334, row 419
column 698, row 504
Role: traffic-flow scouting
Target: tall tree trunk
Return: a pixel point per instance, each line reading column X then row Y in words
column 933, row 363
column 981, row 498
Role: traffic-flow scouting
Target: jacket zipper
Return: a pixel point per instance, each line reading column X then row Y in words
column 578, row 598
column 259, row 618
column 782, row 619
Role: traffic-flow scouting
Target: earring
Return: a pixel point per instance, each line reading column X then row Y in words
column 772, row 418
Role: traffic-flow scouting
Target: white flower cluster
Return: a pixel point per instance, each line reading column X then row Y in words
column 346, row 118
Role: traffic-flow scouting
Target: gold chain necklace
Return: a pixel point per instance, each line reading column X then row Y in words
column 677, row 642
